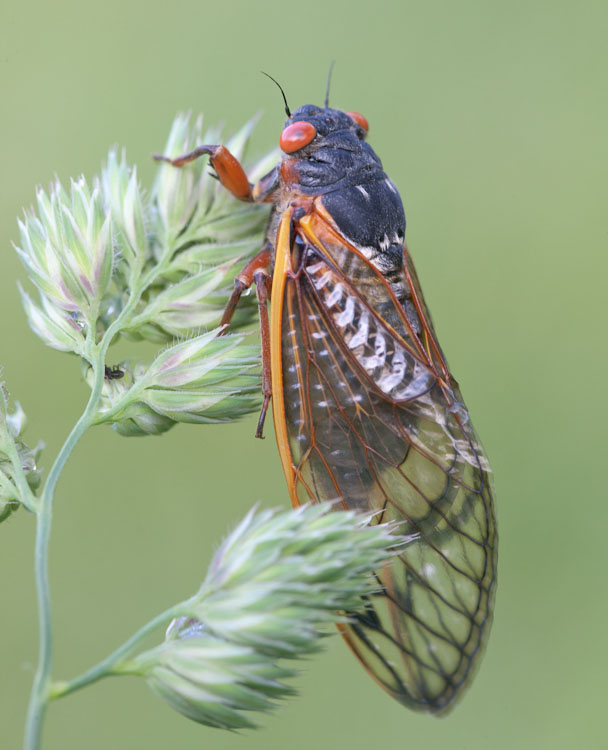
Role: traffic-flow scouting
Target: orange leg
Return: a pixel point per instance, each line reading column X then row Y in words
column 244, row 281
column 229, row 171
column 261, row 279
column 256, row 272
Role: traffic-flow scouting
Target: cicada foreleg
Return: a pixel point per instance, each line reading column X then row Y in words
column 227, row 167
column 230, row 173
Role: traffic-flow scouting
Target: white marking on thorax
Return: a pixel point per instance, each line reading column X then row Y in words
column 390, row 185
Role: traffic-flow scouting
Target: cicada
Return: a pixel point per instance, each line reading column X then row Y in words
column 366, row 412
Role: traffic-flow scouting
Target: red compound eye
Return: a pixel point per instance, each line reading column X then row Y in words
column 296, row 136
column 360, row 120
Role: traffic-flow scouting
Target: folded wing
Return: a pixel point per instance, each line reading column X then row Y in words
column 373, row 421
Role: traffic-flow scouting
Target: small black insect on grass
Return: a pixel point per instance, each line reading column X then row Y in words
column 113, row 373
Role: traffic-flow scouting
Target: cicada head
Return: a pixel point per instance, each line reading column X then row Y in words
column 322, row 125
column 324, row 146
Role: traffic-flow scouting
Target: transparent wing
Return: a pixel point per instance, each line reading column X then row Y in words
column 373, row 420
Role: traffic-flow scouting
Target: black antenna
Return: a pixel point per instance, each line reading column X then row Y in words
column 331, row 68
column 287, row 110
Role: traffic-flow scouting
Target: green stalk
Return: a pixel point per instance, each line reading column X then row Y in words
column 39, row 696
column 115, row 663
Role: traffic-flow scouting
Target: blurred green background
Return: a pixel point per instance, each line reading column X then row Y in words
column 491, row 117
